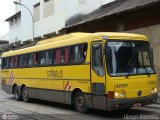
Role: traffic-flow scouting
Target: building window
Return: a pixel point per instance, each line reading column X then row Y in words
column 82, row 2
column 15, row 19
column 49, row 8
column 11, row 22
column 36, row 12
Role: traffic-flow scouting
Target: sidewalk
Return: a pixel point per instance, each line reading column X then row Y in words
column 158, row 100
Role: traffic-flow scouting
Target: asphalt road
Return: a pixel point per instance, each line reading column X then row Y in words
column 43, row 110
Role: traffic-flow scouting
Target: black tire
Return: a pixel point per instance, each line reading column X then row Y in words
column 25, row 95
column 16, row 93
column 80, row 102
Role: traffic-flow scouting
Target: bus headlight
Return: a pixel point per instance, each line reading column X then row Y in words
column 120, row 94
column 154, row 90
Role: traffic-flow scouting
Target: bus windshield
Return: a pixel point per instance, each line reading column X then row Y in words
column 129, row 58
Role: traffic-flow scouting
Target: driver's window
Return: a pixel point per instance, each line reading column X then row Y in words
column 97, row 59
column 146, row 58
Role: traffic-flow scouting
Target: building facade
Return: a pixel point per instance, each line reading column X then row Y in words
column 49, row 16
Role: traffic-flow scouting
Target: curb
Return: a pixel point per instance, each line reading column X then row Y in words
column 157, row 106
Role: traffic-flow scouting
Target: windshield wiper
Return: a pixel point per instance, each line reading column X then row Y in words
column 146, row 71
column 130, row 69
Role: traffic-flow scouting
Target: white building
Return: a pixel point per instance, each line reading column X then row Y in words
column 49, row 17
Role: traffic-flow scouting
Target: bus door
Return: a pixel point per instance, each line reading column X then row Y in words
column 98, row 76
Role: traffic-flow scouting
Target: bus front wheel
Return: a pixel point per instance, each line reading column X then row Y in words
column 16, row 93
column 25, row 95
column 80, row 102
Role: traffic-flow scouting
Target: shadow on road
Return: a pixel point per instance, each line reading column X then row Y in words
column 97, row 113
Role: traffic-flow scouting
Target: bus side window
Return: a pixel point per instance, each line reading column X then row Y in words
column 5, row 63
column 35, row 58
column 46, row 57
column 78, row 53
column 14, row 61
column 58, row 59
column 8, row 60
column 32, row 59
column 23, row 60
column 20, row 63
column 64, row 55
column 49, row 57
column 97, row 59
column 10, row 63
column 54, row 57
column 42, row 58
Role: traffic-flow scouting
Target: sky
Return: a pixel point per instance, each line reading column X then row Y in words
column 7, row 9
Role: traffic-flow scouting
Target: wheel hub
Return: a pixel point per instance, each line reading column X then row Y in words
column 80, row 101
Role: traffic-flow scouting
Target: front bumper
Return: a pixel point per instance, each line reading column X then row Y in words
column 117, row 104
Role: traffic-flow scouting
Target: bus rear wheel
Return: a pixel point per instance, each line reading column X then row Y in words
column 25, row 95
column 80, row 102
column 17, row 96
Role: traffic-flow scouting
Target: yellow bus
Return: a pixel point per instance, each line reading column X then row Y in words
column 106, row 71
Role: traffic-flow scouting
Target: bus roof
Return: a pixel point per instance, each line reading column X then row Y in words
column 63, row 37
column 74, row 38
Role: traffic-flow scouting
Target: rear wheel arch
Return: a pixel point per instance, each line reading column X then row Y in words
column 25, row 94
column 79, row 101
column 74, row 92
column 16, row 92
column 22, row 86
column 13, row 88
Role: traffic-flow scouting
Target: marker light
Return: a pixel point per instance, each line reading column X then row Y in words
column 105, row 37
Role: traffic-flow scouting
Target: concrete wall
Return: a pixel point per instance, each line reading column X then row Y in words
column 153, row 35
column 51, row 23
column 26, row 20
column 74, row 7
column 63, row 10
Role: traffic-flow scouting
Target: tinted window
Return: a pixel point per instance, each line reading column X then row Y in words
column 5, row 63
column 23, row 60
column 54, row 56
column 46, row 57
column 78, row 53
column 129, row 58
column 57, row 56
column 64, row 55
column 97, row 59
column 14, row 61
column 32, row 59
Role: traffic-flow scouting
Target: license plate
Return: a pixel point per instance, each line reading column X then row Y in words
column 137, row 104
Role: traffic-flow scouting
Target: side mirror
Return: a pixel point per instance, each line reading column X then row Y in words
column 151, row 53
column 151, row 57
